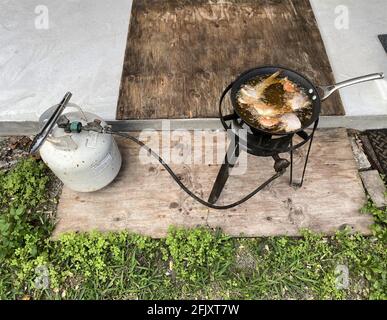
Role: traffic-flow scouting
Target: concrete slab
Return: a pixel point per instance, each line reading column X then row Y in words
column 354, row 49
column 144, row 199
column 81, row 50
column 10, row 128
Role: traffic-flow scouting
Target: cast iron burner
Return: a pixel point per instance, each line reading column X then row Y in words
column 258, row 144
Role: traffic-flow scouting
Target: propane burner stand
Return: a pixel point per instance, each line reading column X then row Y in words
column 263, row 143
column 258, row 144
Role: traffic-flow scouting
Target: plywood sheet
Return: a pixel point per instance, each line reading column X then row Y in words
column 181, row 54
column 144, row 199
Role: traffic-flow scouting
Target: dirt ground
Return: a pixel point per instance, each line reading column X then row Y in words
column 12, row 149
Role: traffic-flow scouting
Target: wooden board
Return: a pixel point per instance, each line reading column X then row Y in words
column 375, row 187
column 181, row 54
column 144, row 199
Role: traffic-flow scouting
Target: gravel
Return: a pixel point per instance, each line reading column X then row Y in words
column 12, row 149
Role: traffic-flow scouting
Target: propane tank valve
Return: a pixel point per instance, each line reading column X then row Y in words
column 69, row 127
column 77, row 126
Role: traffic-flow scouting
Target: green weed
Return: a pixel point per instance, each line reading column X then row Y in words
column 193, row 264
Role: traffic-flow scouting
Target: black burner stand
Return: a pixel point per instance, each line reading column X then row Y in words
column 262, row 145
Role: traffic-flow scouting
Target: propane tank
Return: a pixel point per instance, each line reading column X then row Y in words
column 79, row 151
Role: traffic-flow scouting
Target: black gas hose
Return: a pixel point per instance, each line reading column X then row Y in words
column 189, row 192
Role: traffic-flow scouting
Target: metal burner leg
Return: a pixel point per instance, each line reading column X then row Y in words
column 224, row 172
column 291, row 162
column 306, row 160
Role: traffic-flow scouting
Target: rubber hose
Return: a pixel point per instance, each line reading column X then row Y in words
column 189, row 192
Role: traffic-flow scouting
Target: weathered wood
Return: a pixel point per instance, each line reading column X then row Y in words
column 146, row 200
column 375, row 187
column 181, row 54
column 358, row 152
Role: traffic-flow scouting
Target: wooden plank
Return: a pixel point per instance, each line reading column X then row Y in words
column 358, row 152
column 375, row 187
column 144, row 199
column 181, row 54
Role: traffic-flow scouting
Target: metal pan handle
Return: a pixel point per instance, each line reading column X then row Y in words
column 328, row 90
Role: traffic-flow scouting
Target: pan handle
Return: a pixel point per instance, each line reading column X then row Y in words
column 328, row 90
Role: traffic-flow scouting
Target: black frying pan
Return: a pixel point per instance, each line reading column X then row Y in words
column 317, row 94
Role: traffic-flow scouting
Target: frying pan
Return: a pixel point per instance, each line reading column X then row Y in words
column 317, row 94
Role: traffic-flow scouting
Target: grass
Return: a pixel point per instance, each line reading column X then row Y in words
column 188, row 264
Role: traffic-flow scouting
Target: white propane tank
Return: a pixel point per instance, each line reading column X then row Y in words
column 86, row 161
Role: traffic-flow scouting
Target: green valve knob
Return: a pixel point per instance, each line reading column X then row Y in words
column 76, row 127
